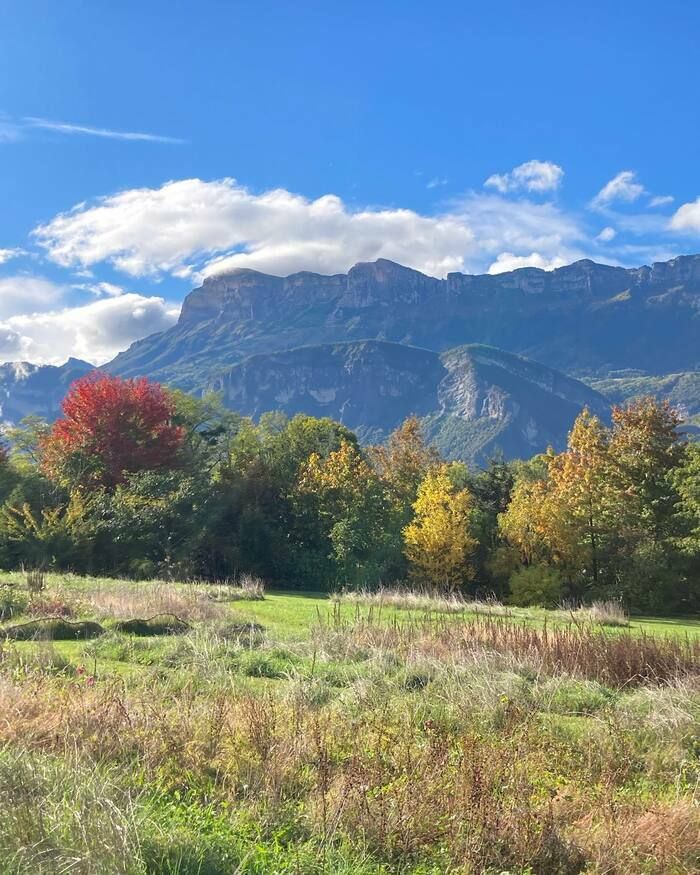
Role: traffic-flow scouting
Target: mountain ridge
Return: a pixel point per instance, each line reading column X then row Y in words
column 583, row 318
column 383, row 341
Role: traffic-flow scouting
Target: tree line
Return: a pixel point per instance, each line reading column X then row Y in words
column 138, row 480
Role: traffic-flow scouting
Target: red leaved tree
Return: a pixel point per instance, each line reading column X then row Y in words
column 111, row 428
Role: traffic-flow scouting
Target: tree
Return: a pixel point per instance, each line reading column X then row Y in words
column 687, row 482
column 208, row 429
column 607, row 512
column 54, row 536
column 534, row 522
column 25, row 441
column 645, row 447
column 437, row 542
column 492, row 488
column 111, row 428
column 153, row 523
column 404, row 461
column 355, row 513
column 587, row 487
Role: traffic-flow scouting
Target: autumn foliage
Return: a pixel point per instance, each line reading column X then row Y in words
column 111, row 428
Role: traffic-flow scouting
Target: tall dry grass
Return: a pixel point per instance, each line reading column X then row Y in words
column 601, row 613
column 617, row 659
column 114, row 600
column 404, row 598
column 395, row 780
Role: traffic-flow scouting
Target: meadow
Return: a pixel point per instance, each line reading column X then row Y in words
column 161, row 727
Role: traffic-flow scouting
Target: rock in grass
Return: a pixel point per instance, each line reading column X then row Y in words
column 53, row 629
column 161, row 624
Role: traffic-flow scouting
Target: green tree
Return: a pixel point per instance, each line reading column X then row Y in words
column 355, row 513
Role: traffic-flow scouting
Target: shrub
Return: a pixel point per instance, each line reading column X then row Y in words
column 536, row 585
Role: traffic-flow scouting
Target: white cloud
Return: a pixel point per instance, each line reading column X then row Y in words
column 521, row 227
column 437, row 181
column 191, row 227
column 507, row 261
column 95, row 332
column 101, row 289
column 623, row 187
column 661, row 200
column 7, row 254
column 27, row 294
column 88, row 130
column 536, row 176
column 686, row 217
column 606, row 235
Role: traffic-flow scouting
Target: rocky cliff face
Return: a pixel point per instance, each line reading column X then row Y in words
column 472, row 400
column 585, row 318
column 27, row 389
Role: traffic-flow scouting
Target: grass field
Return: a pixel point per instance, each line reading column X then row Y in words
column 292, row 733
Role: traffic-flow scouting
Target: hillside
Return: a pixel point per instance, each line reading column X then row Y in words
column 472, row 399
column 584, row 319
column 682, row 390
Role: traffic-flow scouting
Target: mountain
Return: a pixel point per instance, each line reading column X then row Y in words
column 383, row 341
column 27, row 389
column 472, row 400
column 584, row 319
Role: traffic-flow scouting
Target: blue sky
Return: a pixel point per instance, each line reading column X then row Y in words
column 146, row 145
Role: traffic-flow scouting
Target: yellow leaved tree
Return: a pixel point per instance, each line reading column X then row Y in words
column 437, row 542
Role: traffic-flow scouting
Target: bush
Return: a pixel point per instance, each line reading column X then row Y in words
column 535, row 585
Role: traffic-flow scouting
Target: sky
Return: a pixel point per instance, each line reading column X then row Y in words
column 146, row 146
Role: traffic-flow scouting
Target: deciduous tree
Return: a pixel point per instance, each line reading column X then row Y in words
column 111, row 428
column 438, row 542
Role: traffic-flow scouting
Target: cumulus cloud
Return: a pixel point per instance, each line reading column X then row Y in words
column 535, row 176
column 190, row 228
column 95, row 332
column 623, row 187
column 507, row 261
column 687, row 217
column 35, row 324
column 27, row 294
column 606, row 235
column 191, row 224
